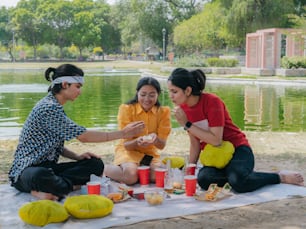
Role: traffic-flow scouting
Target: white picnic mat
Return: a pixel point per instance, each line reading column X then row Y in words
column 133, row 211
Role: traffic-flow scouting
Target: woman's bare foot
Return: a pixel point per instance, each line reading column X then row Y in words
column 44, row 195
column 290, row 177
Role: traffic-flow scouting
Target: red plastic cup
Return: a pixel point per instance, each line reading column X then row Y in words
column 160, row 177
column 190, row 169
column 144, row 175
column 190, row 185
column 93, row 188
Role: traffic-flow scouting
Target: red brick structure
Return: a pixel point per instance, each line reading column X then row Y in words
column 265, row 48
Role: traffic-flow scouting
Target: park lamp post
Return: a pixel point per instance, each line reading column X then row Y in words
column 164, row 43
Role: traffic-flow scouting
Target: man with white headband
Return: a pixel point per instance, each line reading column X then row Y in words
column 68, row 79
column 35, row 168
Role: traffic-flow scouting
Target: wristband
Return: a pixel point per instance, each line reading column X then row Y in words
column 187, row 125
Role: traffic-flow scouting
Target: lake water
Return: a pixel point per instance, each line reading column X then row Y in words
column 254, row 105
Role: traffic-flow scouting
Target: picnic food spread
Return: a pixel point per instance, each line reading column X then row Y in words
column 87, row 206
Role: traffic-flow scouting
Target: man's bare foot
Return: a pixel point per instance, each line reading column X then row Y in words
column 44, row 195
column 290, row 177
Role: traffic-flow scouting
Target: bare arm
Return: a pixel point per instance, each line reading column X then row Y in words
column 159, row 143
column 74, row 156
column 212, row 136
column 141, row 142
column 70, row 154
column 194, row 149
column 129, row 131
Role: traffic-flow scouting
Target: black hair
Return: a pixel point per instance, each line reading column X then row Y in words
column 143, row 82
column 62, row 70
column 182, row 78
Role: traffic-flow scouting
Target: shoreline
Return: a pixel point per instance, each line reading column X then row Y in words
column 272, row 150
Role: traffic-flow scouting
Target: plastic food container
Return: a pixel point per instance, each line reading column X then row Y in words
column 154, row 197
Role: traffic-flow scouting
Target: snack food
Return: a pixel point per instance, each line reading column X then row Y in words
column 177, row 185
column 215, row 193
column 147, row 138
column 126, row 189
column 115, row 196
column 154, row 197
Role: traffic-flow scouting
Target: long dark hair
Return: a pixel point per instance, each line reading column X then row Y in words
column 63, row 70
column 182, row 78
column 143, row 82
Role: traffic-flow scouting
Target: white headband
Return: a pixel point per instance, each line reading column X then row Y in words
column 68, row 79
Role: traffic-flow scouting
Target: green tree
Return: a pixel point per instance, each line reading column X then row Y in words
column 299, row 22
column 299, row 6
column 202, row 31
column 144, row 19
column 153, row 16
column 110, row 34
column 27, row 23
column 85, row 29
column 246, row 16
column 124, row 18
column 7, row 32
column 56, row 19
column 183, row 10
column 84, row 32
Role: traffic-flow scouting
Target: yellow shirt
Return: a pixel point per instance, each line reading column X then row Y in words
column 157, row 120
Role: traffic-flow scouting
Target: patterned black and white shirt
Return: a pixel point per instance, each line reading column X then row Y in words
column 43, row 135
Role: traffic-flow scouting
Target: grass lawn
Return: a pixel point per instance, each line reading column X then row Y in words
column 154, row 67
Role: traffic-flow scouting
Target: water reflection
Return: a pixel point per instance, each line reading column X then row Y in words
column 268, row 106
column 18, row 88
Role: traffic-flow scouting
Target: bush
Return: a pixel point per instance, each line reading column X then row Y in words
column 217, row 62
column 194, row 61
column 293, row 62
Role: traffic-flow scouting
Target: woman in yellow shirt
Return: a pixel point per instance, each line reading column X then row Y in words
column 142, row 149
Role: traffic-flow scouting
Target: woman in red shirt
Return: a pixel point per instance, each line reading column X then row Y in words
column 207, row 121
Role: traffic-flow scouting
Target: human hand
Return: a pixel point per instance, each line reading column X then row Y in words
column 180, row 115
column 87, row 155
column 146, row 140
column 132, row 129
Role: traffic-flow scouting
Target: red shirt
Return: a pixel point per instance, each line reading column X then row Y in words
column 211, row 111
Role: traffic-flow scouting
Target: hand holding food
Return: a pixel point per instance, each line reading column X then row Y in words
column 146, row 139
column 180, row 115
column 150, row 138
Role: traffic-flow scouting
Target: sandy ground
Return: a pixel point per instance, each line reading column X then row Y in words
column 273, row 152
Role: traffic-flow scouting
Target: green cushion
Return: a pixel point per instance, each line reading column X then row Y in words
column 217, row 156
column 88, row 206
column 176, row 162
column 42, row 212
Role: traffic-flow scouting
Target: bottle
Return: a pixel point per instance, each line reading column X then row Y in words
column 168, row 186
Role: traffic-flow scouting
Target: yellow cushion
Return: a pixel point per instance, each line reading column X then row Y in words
column 42, row 212
column 176, row 162
column 217, row 156
column 88, row 206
